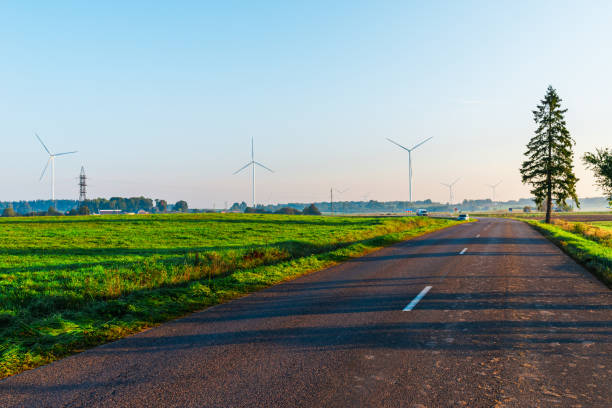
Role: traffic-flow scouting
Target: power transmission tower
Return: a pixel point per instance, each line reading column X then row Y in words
column 82, row 187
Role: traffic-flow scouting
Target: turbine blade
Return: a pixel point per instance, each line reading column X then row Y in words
column 498, row 183
column 62, row 154
column 45, row 169
column 243, row 167
column 41, row 142
column 414, row 147
column 453, row 183
column 259, row 164
column 395, row 143
column 444, row 184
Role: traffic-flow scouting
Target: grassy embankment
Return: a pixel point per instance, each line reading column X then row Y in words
column 588, row 244
column 67, row 284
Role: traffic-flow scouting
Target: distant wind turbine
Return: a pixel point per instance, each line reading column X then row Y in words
column 331, row 196
column 253, row 163
column 493, row 186
column 409, row 162
column 51, row 160
column 450, row 190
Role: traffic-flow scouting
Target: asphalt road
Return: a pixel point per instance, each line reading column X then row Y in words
column 511, row 321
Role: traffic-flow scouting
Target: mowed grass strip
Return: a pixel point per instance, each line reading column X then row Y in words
column 589, row 231
column 67, row 284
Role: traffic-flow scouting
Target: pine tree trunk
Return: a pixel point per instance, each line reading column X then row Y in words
column 548, row 203
column 549, row 182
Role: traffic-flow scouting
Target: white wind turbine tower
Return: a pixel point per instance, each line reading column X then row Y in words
column 331, row 196
column 409, row 162
column 450, row 190
column 493, row 186
column 253, row 163
column 51, row 160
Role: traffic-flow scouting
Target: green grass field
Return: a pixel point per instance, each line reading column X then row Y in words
column 69, row 283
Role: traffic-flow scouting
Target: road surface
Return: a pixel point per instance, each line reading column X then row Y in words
column 479, row 315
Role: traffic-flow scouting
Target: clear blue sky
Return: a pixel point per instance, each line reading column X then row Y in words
column 162, row 99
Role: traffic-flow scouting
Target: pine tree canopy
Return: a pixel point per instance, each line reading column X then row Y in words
column 549, row 164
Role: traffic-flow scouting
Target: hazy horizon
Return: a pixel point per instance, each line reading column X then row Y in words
column 162, row 100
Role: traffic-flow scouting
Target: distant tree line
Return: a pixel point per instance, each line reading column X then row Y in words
column 73, row 207
column 51, row 211
column 372, row 206
column 38, row 206
column 308, row 210
column 132, row 204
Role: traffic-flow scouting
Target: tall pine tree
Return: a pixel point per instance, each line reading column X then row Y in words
column 549, row 165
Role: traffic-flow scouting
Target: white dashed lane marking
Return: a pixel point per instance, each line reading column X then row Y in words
column 417, row 299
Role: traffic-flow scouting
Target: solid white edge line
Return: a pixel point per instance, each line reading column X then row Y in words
column 417, row 299
column 463, row 251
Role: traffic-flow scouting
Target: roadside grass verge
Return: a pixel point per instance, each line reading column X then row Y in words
column 70, row 284
column 589, row 231
column 588, row 245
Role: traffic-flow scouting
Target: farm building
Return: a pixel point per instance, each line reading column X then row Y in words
column 109, row 212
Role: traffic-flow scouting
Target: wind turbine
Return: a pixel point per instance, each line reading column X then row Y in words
column 450, row 189
column 409, row 162
column 253, row 163
column 493, row 186
column 331, row 196
column 51, row 160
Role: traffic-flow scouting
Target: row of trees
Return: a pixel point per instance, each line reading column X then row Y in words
column 37, row 206
column 51, row 211
column 548, row 167
column 129, row 205
column 135, row 204
column 391, row 206
column 308, row 210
